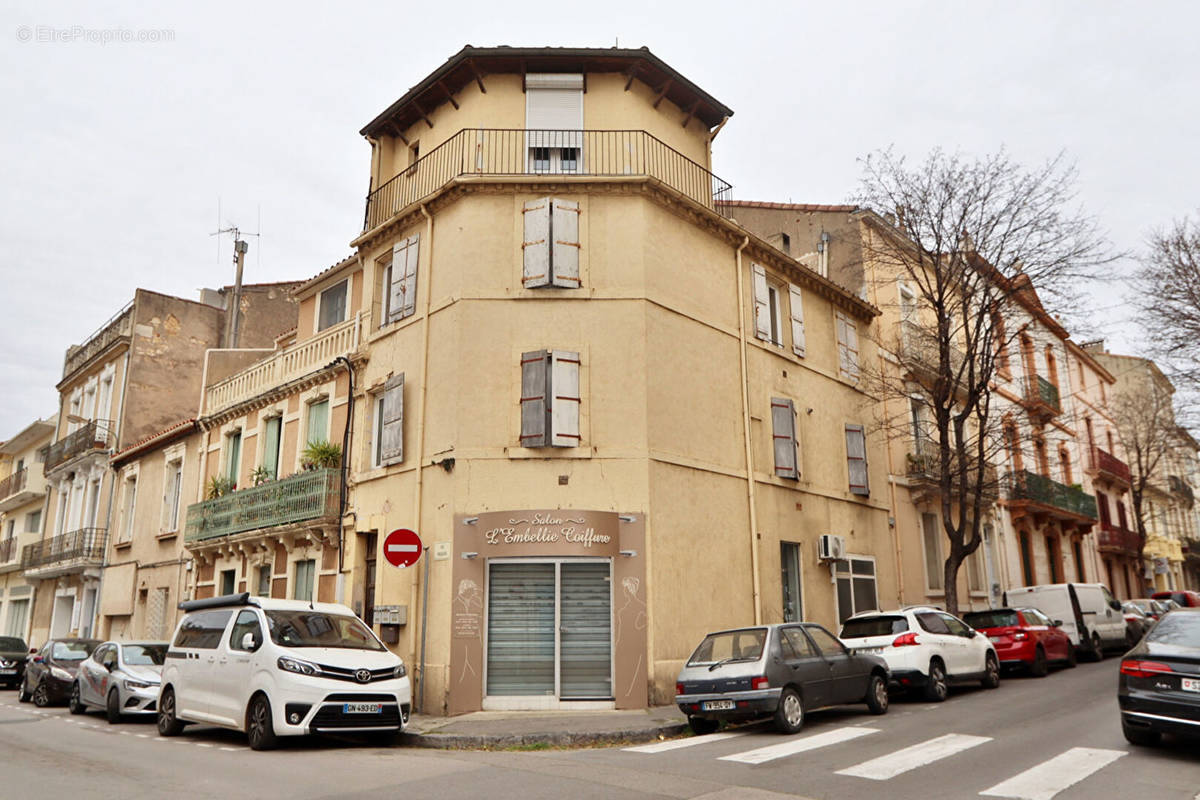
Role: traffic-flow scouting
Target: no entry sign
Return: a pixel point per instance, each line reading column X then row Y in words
column 402, row 548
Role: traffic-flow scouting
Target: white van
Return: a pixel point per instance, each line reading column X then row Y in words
column 1089, row 614
column 280, row 668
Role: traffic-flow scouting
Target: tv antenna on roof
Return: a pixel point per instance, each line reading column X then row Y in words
column 239, row 258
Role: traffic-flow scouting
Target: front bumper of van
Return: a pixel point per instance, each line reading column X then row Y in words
column 317, row 705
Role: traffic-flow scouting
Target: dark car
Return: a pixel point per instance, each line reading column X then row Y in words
column 1024, row 637
column 1184, row 598
column 1159, row 685
column 50, row 673
column 13, row 652
column 777, row 671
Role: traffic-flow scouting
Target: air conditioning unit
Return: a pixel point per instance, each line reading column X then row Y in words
column 830, row 547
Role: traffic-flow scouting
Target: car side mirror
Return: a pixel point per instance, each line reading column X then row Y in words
column 250, row 642
column 32, row 650
column 1115, row 606
column 38, row 660
column 1058, row 623
column 110, row 666
column 971, row 633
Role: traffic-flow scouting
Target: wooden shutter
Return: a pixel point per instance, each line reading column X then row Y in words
column 409, row 306
column 856, row 459
column 783, row 426
column 797, row 311
column 534, row 405
column 564, row 252
column 564, row 398
column 762, row 310
column 847, row 337
column 391, row 450
column 402, row 293
column 536, row 246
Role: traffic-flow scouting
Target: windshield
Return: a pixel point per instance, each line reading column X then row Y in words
column 990, row 619
column 11, row 643
column 306, row 628
column 744, row 645
column 1177, row 628
column 145, row 655
column 72, row 651
column 873, row 626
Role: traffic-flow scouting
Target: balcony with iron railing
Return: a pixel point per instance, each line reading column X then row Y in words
column 65, row 553
column 10, row 553
column 921, row 354
column 924, row 474
column 92, row 436
column 304, row 496
column 1046, row 496
column 121, row 324
column 1114, row 537
column 556, row 154
column 17, row 489
column 1180, row 487
column 1103, row 464
column 1041, row 397
column 284, row 366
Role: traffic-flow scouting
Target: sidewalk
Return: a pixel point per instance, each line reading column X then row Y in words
column 499, row 729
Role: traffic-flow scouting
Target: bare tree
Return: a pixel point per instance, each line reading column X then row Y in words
column 969, row 237
column 1168, row 294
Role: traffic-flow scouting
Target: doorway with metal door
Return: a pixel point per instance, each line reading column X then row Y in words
column 549, row 633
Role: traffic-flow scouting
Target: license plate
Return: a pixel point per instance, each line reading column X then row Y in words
column 1189, row 684
column 717, row 705
column 8, row 672
column 870, row 650
column 995, row 638
column 362, row 708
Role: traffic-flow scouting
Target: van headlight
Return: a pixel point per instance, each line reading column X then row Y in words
column 288, row 664
column 135, row 685
column 401, row 671
column 61, row 674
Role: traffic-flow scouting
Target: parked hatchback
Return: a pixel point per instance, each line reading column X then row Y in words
column 13, row 652
column 1024, row 637
column 777, row 671
column 120, row 677
column 925, row 648
column 280, row 668
column 50, row 673
column 1159, row 685
column 1185, row 599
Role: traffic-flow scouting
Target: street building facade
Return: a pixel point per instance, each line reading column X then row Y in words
column 22, row 511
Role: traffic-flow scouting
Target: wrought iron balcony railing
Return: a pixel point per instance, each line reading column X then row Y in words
column 95, row 435
column 9, row 550
column 1041, row 393
column 1029, row 486
column 14, row 483
column 1107, row 464
column 120, row 325
column 558, row 153
column 304, row 496
column 924, row 475
column 1180, row 487
column 1115, row 537
column 85, row 545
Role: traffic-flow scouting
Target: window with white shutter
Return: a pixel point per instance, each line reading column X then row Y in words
column 856, row 459
column 550, row 245
column 554, row 121
column 762, row 303
column 847, row 339
column 391, row 427
column 783, row 427
column 550, row 398
column 401, row 290
column 796, row 307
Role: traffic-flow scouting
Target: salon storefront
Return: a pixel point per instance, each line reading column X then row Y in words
column 549, row 611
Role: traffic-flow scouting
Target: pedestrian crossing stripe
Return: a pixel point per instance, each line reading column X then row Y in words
column 919, row 755
column 801, row 745
column 1051, row 777
column 676, row 744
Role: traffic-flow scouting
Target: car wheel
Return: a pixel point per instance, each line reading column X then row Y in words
column 789, row 716
column 877, row 695
column 23, row 692
column 1038, row 668
column 75, row 704
column 936, row 689
column 1140, row 736
column 112, row 707
column 41, row 695
column 1097, row 647
column 260, row 728
column 1072, row 658
column 702, row 725
column 991, row 672
column 168, row 723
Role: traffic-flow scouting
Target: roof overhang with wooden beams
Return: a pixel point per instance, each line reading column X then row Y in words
column 474, row 64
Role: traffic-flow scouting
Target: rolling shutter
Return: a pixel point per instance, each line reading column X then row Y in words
column 534, row 406
column 783, row 426
column 564, row 398
column 856, row 459
column 391, row 450
column 554, row 110
column 520, row 629
column 762, row 311
column 536, row 246
column 797, row 311
column 564, row 254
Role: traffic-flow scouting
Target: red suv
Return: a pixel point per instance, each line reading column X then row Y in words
column 1186, row 599
column 1024, row 637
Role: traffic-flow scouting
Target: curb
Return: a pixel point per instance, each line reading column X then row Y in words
column 462, row 741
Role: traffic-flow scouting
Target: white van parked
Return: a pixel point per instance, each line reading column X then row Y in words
column 280, row 668
column 1089, row 613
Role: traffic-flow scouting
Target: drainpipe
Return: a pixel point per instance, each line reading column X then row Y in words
column 750, row 494
column 422, row 376
column 114, row 432
column 345, row 472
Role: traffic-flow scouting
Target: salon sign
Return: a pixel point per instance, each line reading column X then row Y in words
column 547, row 528
column 544, row 532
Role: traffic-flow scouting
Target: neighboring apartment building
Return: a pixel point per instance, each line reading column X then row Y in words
column 22, row 508
column 141, row 371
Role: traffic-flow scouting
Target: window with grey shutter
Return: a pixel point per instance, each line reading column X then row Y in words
column 402, row 291
column 550, row 245
column 564, row 252
column 391, row 450
column 762, row 310
column 783, row 426
column 797, row 312
column 550, row 398
column 535, row 409
column 536, row 246
column 856, row 459
column 847, row 339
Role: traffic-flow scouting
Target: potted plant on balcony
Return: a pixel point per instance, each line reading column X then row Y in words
column 260, row 475
column 321, row 455
column 219, row 486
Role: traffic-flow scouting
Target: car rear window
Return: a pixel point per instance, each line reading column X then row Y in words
column 9, row 643
column 991, row 619
column 739, row 645
column 873, row 626
column 1181, row 628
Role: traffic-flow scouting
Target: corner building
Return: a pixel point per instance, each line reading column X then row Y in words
column 617, row 419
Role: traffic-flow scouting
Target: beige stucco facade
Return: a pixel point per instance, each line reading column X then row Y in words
column 22, row 513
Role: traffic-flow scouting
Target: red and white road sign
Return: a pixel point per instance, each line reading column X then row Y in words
column 402, row 547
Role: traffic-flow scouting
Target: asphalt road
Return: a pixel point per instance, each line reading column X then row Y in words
column 1057, row 737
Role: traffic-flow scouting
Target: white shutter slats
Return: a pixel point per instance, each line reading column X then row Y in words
column 847, row 338
column 536, row 244
column 534, row 375
column 762, row 312
column 783, row 427
column 856, row 459
column 797, row 310
column 564, row 398
column 391, row 450
column 564, row 256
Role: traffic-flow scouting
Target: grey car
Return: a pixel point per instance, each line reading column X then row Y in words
column 120, row 677
column 778, row 671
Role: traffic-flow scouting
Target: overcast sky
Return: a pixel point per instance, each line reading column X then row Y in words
column 116, row 154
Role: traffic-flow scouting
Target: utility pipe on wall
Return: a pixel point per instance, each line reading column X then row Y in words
column 422, row 376
column 750, row 493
